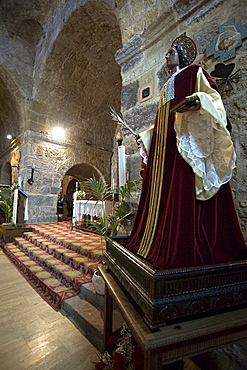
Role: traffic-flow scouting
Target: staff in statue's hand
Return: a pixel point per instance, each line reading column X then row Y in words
column 143, row 151
column 118, row 118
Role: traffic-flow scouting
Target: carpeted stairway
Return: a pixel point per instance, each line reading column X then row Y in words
column 59, row 263
column 56, row 260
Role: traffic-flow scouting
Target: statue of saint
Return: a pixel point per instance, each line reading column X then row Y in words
column 186, row 215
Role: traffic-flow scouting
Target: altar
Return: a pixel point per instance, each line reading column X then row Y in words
column 87, row 207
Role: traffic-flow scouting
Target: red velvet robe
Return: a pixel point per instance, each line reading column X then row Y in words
column 189, row 232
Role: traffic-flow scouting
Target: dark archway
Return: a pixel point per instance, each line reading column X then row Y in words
column 78, row 174
column 83, row 171
column 6, row 174
column 11, row 113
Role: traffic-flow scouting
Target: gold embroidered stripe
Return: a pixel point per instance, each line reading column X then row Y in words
column 156, row 181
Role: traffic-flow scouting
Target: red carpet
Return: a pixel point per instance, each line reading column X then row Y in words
column 56, row 260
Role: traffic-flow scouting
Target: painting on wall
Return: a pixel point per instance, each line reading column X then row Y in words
column 227, row 41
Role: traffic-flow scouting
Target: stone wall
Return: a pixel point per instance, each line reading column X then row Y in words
column 148, row 29
column 51, row 160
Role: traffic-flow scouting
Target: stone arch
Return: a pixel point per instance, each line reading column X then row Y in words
column 83, row 171
column 60, row 12
column 76, row 174
column 80, row 78
column 6, row 174
column 79, row 172
column 12, row 111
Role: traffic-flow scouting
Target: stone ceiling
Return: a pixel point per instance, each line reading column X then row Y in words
column 80, row 78
column 24, row 18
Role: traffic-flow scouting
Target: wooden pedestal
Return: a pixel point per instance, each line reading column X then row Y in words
column 177, row 294
column 173, row 342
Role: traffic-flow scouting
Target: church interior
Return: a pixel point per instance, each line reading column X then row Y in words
column 80, row 80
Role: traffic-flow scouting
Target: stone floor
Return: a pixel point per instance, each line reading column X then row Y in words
column 33, row 335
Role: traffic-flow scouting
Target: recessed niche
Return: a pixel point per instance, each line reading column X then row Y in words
column 145, row 93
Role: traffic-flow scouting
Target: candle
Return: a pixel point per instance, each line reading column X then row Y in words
column 121, row 165
column 19, row 181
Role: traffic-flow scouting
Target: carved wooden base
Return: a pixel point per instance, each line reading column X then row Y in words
column 167, row 295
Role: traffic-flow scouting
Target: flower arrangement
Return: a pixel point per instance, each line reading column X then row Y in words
column 81, row 194
column 123, row 354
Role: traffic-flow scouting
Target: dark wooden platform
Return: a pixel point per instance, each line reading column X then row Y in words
column 165, row 296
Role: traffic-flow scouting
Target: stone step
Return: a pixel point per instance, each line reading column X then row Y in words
column 87, row 318
column 88, row 293
column 86, row 312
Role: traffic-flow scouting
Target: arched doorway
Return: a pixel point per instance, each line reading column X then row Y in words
column 6, row 174
column 5, row 186
column 74, row 177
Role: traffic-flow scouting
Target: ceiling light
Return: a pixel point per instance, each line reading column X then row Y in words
column 57, row 133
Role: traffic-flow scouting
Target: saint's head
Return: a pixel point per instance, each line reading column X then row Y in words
column 176, row 57
column 181, row 54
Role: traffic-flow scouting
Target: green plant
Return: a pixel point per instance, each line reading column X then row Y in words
column 98, row 188
column 99, row 191
column 99, row 226
column 121, row 213
column 6, row 205
column 125, row 190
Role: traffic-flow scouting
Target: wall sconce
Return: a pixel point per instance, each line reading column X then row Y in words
column 9, row 137
column 30, row 181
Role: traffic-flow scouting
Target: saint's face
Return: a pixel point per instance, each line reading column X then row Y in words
column 172, row 58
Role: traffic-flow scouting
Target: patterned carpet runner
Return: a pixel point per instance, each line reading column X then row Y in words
column 56, row 260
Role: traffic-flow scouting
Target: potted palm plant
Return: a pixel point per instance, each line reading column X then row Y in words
column 100, row 192
column 112, row 223
column 6, row 206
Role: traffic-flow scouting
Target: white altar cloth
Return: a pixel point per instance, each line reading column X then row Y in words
column 87, row 207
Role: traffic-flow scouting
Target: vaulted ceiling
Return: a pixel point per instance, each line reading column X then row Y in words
column 61, row 58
